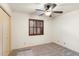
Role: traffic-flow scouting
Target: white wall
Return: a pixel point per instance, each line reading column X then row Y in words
column 65, row 30
column 20, row 30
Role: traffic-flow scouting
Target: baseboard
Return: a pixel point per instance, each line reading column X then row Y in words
column 65, row 47
column 25, row 48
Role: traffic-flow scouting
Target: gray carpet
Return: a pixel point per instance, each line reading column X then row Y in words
column 50, row 49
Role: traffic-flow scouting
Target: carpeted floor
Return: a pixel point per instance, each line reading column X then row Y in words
column 50, row 49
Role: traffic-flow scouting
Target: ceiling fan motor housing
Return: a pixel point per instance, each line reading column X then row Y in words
column 48, row 5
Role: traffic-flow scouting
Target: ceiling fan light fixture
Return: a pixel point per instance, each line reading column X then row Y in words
column 48, row 13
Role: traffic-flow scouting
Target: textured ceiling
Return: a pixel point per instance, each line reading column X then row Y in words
column 30, row 7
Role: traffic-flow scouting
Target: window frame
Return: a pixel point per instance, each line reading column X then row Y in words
column 41, row 27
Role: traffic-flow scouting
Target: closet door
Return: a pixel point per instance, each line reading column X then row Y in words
column 1, row 32
column 5, row 33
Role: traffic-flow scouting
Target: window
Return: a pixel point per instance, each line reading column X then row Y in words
column 36, row 27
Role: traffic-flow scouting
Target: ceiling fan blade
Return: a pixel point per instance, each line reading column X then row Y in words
column 39, row 10
column 58, row 11
column 41, row 14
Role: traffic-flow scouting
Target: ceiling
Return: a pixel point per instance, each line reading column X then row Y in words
column 30, row 7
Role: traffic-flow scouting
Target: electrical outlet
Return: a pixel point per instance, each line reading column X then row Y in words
column 58, row 41
column 64, row 43
column 24, row 43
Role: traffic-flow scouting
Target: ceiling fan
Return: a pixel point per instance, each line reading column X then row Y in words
column 48, row 9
